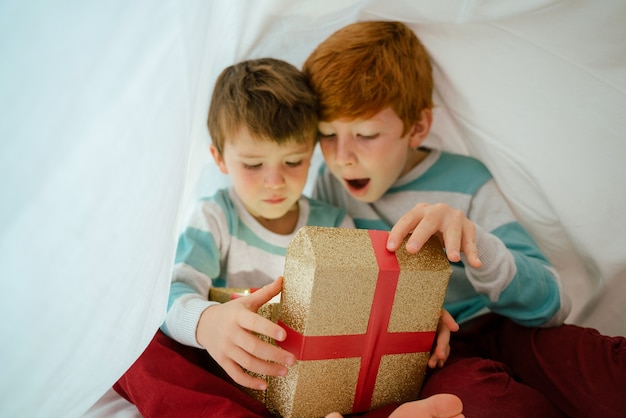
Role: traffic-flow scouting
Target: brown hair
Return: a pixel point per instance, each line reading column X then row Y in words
column 270, row 97
column 366, row 67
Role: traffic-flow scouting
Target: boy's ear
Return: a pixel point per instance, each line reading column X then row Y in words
column 420, row 130
column 219, row 159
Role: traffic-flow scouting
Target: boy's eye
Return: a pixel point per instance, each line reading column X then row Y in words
column 373, row 136
column 293, row 163
column 251, row 166
column 326, row 136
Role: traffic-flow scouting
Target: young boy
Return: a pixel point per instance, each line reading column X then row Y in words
column 263, row 124
column 375, row 86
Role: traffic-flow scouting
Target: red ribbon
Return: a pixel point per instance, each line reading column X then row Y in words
column 376, row 342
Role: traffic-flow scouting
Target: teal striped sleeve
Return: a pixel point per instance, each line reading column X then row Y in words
column 198, row 249
column 177, row 289
column 533, row 296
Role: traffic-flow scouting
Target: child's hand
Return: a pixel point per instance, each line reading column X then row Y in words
column 441, row 352
column 225, row 331
column 456, row 232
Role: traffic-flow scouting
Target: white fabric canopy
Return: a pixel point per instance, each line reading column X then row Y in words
column 103, row 148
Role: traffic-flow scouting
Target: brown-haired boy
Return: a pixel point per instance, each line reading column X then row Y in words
column 513, row 356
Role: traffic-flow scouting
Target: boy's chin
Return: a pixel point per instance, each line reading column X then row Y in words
column 366, row 199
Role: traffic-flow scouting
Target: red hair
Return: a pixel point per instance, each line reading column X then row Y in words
column 366, row 67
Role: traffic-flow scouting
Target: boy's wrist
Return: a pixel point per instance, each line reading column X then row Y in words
column 183, row 318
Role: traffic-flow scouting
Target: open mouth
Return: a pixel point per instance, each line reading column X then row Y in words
column 358, row 184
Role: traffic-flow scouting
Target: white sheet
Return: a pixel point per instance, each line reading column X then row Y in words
column 102, row 119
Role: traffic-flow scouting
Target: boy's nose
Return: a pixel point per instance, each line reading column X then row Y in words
column 344, row 151
column 274, row 179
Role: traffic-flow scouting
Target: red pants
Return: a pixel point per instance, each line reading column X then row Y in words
column 173, row 380
column 497, row 368
column 501, row 369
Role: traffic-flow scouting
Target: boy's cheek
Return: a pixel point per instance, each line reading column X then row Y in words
column 326, row 148
column 301, row 172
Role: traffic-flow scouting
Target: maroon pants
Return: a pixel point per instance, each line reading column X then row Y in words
column 501, row 369
column 173, row 380
column 498, row 369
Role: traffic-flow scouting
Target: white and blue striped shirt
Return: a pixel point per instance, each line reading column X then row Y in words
column 224, row 246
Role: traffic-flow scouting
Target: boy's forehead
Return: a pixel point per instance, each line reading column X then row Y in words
column 381, row 116
column 245, row 134
column 251, row 145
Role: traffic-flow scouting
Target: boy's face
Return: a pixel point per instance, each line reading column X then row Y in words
column 368, row 155
column 268, row 177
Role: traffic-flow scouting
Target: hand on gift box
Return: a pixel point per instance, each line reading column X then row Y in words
column 440, row 354
column 226, row 332
column 450, row 225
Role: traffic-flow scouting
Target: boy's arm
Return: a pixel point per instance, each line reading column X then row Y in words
column 516, row 280
column 185, row 305
column 505, row 266
column 225, row 330
column 197, row 262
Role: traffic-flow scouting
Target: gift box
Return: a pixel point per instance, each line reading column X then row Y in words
column 360, row 320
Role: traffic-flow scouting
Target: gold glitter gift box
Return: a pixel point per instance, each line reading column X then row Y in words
column 360, row 320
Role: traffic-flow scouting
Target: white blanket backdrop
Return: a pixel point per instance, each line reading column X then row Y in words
column 102, row 120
